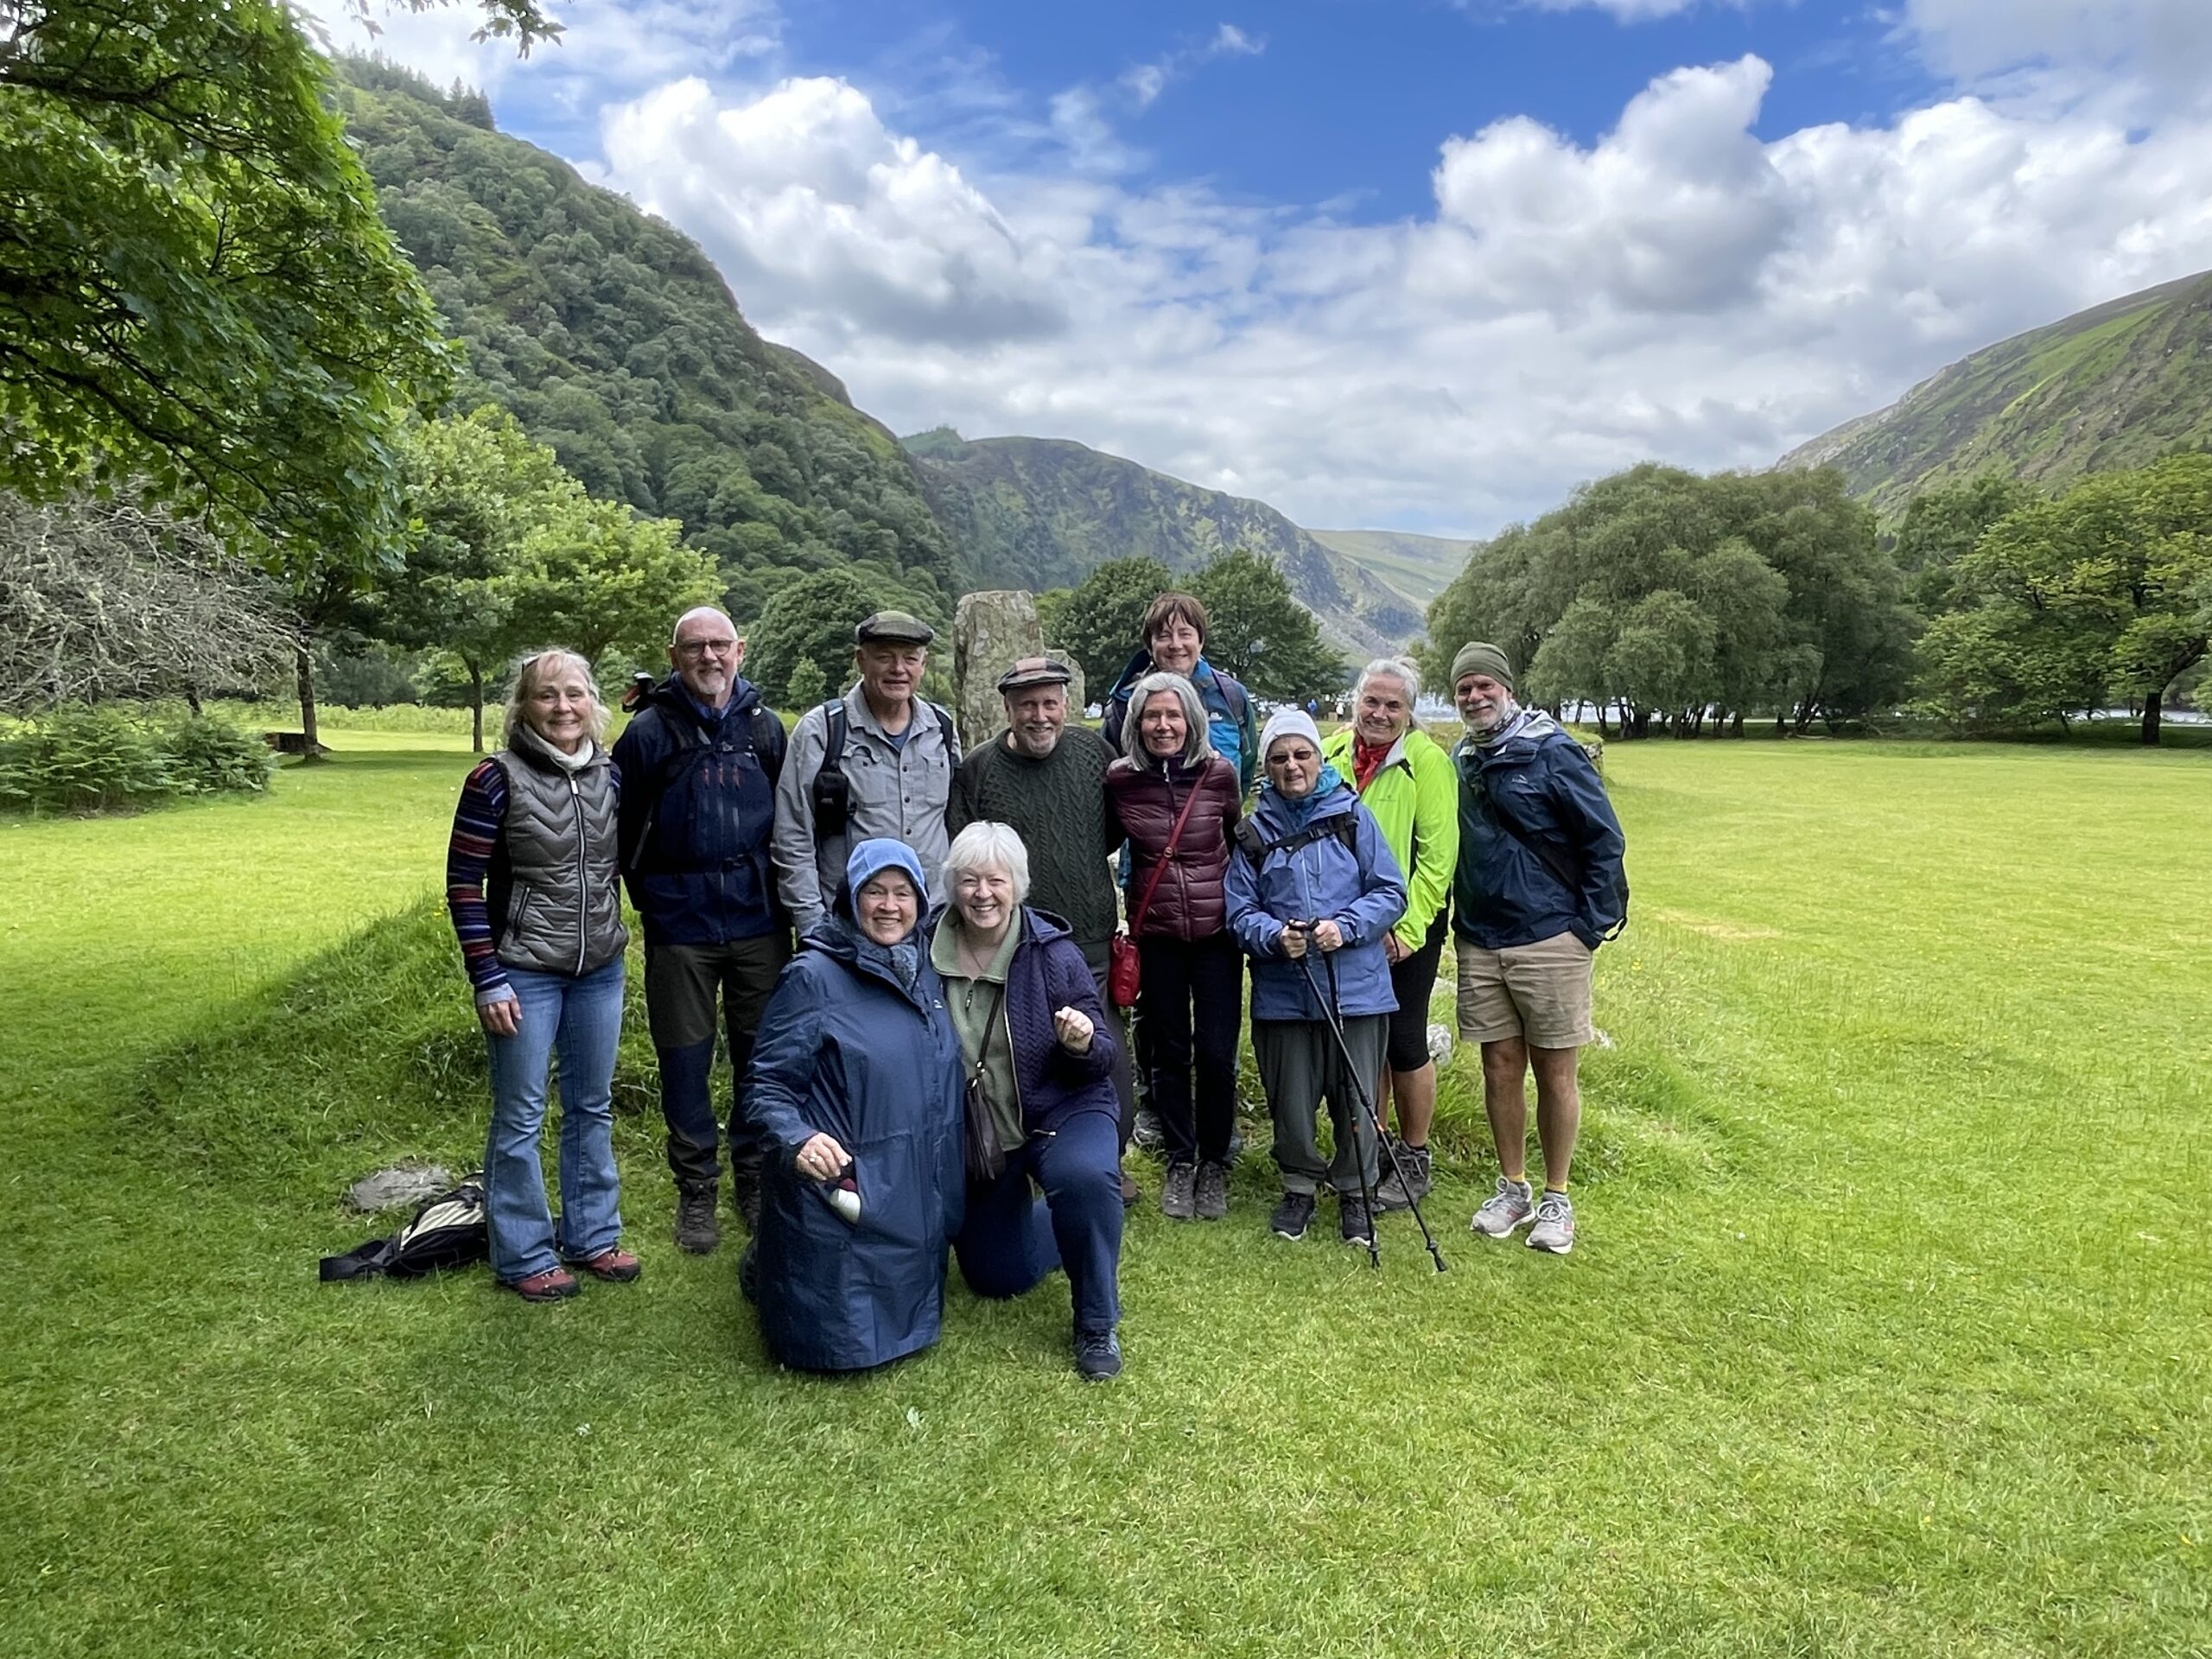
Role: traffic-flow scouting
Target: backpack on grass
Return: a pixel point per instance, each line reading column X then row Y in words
column 448, row 1231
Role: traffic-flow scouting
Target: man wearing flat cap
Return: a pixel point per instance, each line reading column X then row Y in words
column 1539, row 887
column 1046, row 780
column 878, row 761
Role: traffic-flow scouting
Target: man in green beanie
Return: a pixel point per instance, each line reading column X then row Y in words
column 1539, row 887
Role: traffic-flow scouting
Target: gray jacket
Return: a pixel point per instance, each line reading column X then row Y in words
column 562, row 912
column 901, row 792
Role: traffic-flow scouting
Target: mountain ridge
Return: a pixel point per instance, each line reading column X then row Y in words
column 2115, row 386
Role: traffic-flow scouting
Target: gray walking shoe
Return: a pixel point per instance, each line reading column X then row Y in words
column 1394, row 1193
column 1177, row 1192
column 1212, row 1202
column 1512, row 1206
column 1098, row 1355
column 1554, row 1228
column 1291, row 1215
column 1352, row 1219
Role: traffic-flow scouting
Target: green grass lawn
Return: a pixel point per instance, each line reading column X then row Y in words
column 1889, row 1331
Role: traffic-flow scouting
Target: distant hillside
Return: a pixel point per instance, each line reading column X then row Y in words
column 1420, row 567
column 1043, row 513
column 614, row 339
column 2116, row 386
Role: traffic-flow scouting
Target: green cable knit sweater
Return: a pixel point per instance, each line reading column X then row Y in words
column 1057, row 806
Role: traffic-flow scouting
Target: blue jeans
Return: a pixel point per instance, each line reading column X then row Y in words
column 580, row 1018
column 1009, row 1241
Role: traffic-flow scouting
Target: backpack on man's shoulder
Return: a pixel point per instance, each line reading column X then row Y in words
column 831, row 792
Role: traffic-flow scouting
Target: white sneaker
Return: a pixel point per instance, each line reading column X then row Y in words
column 1512, row 1206
column 1554, row 1228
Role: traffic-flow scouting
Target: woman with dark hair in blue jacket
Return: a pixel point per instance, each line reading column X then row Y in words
column 855, row 1089
column 1037, row 1041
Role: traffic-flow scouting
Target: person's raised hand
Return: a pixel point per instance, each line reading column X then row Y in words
column 1074, row 1027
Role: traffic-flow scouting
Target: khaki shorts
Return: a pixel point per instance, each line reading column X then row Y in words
column 1538, row 992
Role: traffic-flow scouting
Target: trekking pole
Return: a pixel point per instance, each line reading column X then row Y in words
column 1334, row 1020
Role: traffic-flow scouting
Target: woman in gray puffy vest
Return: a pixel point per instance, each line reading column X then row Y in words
column 536, row 825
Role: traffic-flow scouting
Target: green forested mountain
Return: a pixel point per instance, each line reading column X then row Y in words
column 1042, row 513
column 1420, row 567
column 615, row 340
column 2117, row 386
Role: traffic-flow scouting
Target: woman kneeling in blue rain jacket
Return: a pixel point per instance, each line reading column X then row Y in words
column 855, row 1089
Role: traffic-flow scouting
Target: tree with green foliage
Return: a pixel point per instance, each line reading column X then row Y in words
column 1939, row 527
column 1101, row 619
column 1258, row 633
column 811, row 620
column 598, row 578
column 198, row 298
column 1670, row 598
column 476, row 487
column 806, row 685
column 2105, row 591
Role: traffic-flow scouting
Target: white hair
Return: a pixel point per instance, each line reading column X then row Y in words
column 1399, row 669
column 987, row 846
column 1197, row 741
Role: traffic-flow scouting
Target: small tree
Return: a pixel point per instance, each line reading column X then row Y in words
column 595, row 575
column 811, row 620
column 1100, row 621
column 1257, row 631
column 806, row 686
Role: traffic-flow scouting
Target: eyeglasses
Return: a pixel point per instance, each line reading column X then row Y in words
column 695, row 649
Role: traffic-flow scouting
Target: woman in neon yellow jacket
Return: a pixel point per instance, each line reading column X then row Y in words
column 1406, row 781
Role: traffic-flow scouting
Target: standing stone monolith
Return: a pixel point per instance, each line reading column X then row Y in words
column 991, row 632
column 1076, row 700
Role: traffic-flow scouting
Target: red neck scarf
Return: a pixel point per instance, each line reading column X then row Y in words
column 1366, row 760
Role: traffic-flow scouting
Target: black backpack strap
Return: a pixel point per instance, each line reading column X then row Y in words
column 827, row 789
column 1340, row 826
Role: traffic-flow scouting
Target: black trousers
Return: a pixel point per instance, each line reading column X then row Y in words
column 1191, row 1007
column 682, row 982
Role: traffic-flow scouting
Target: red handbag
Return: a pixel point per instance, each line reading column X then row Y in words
column 1124, row 967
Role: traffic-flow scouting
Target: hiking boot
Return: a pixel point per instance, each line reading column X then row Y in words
column 1130, row 1191
column 1145, row 1134
column 1177, row 1192
column 1554, row 1228
column 616, row 1266
column 1396, row 1194
column 1212, row 1201
column 697, row 1232
column 554, row 1285
column 1352, row 1219
column 745, row 1197
column 1291, row 1215
column 1512, row 1206
column 1098, row 1355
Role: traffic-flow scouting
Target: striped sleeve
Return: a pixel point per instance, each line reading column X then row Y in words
column 476, row 824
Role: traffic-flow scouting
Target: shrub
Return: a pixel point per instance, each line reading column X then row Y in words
column 104, row 759
column 81, row 760
column 211, row 757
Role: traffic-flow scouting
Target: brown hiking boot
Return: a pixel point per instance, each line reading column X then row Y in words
column 554, row 1285
column 618, row 1267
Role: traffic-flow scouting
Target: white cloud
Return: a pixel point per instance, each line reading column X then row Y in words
column 1679, row 289
column 1144, row 82
column 2153, row 54
column 822, row 216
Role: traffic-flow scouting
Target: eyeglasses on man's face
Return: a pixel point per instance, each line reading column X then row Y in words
column 695, row 649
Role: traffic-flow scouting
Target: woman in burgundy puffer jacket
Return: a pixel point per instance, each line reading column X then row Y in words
column 1193, row 974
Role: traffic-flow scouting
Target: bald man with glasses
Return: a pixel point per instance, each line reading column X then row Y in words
column 699, row 763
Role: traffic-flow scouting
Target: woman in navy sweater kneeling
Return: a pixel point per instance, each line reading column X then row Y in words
column 1038, row 1046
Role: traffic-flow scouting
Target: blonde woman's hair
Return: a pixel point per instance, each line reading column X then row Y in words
column 533, row 671
column 1401, row 669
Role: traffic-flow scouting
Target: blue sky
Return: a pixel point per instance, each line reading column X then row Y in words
column 1396, row 262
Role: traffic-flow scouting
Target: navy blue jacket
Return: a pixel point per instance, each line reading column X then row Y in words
column 1357, row 886
column 1048, row 972
column 698, row 802
column 1504, row 893
column 844, row 1050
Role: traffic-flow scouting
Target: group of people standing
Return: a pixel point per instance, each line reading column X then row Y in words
column 943, row 1067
